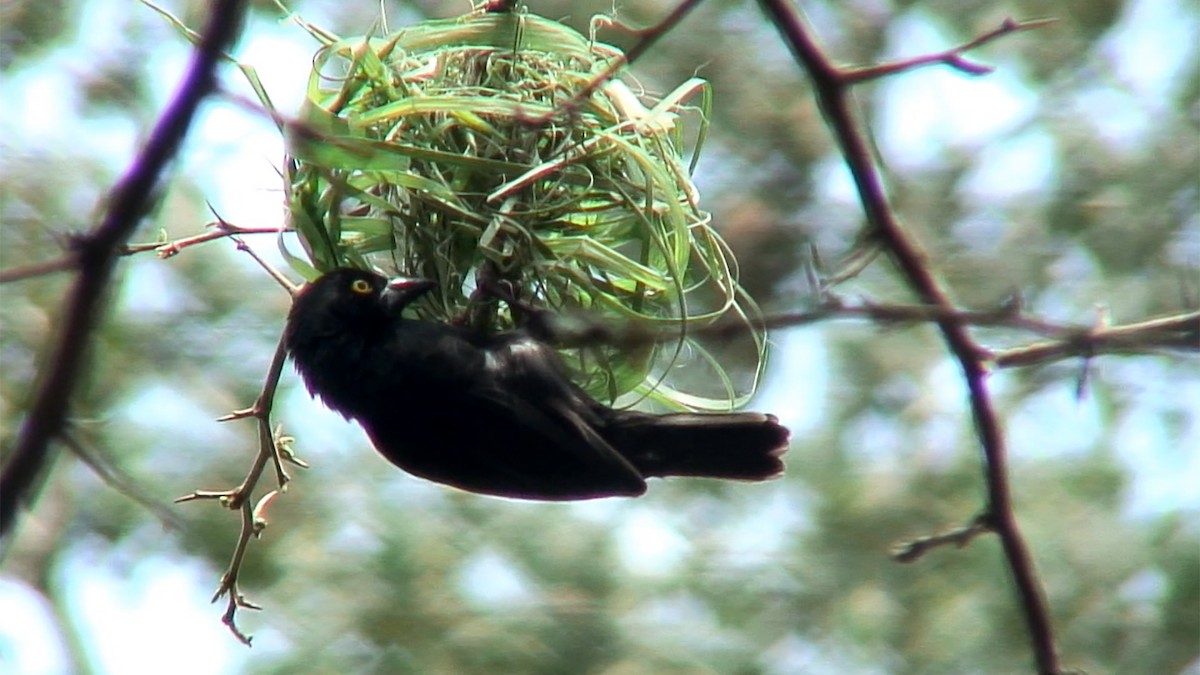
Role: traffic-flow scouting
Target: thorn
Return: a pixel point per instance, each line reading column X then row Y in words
column 239, row 414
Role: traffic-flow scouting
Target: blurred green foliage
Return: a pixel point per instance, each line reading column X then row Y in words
column 366, row 570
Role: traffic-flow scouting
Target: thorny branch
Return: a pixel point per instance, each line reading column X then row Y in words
column 273, row 448
column 272, row 445
column 164, row 249
column 217, row 230
column 832, row 88
column 96, row 254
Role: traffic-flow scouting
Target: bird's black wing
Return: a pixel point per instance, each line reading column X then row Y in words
column 498, row 418
column 528, row 382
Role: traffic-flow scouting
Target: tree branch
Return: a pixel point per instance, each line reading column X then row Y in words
column 832, row 87
column 217, row 230
column 1181, row 331
column 950, row 57
column 62, row 263
column 97, row 253
column 119, row 480
column 648, row 36
column 164, row 249
column 910, row 551
column 272, row 447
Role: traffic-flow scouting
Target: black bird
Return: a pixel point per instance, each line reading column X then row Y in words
column 496, row 414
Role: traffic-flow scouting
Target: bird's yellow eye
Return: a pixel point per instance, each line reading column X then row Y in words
column 361, row 287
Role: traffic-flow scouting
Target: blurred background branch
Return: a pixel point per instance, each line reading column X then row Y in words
column 95, row 254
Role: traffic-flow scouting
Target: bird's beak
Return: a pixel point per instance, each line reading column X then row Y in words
column 402, row 291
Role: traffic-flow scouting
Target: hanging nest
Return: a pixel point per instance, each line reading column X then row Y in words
column 469, row 149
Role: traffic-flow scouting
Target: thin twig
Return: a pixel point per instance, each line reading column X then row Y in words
column 218, row 230
column 1176, row 332
column 910, row 551
column 97, row 253
column 1181, row 331
column 120, row 481
column 279, row 277
column 886, row 313
column 647, row 38
column 272, row 447
column 66, row 261
column 859, row 260
column 164, row 249
column 832, row 88
column 950, row 57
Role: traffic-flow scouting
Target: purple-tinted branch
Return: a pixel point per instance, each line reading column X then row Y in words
column 96, row 254
column 832, row 86
column 950, row 57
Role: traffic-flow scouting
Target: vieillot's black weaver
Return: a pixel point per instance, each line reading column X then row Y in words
column 497, row 414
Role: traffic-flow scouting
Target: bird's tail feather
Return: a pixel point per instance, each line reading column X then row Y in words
column 745, row 446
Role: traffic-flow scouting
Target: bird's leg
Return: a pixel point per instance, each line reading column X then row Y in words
column 481, row 306
column 537, row 320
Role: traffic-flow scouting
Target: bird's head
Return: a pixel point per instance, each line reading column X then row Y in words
column 352, row 299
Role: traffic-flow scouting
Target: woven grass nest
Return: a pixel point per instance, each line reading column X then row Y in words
column 461, row 149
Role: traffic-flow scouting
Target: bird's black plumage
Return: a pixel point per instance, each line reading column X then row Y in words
column 497, row 414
